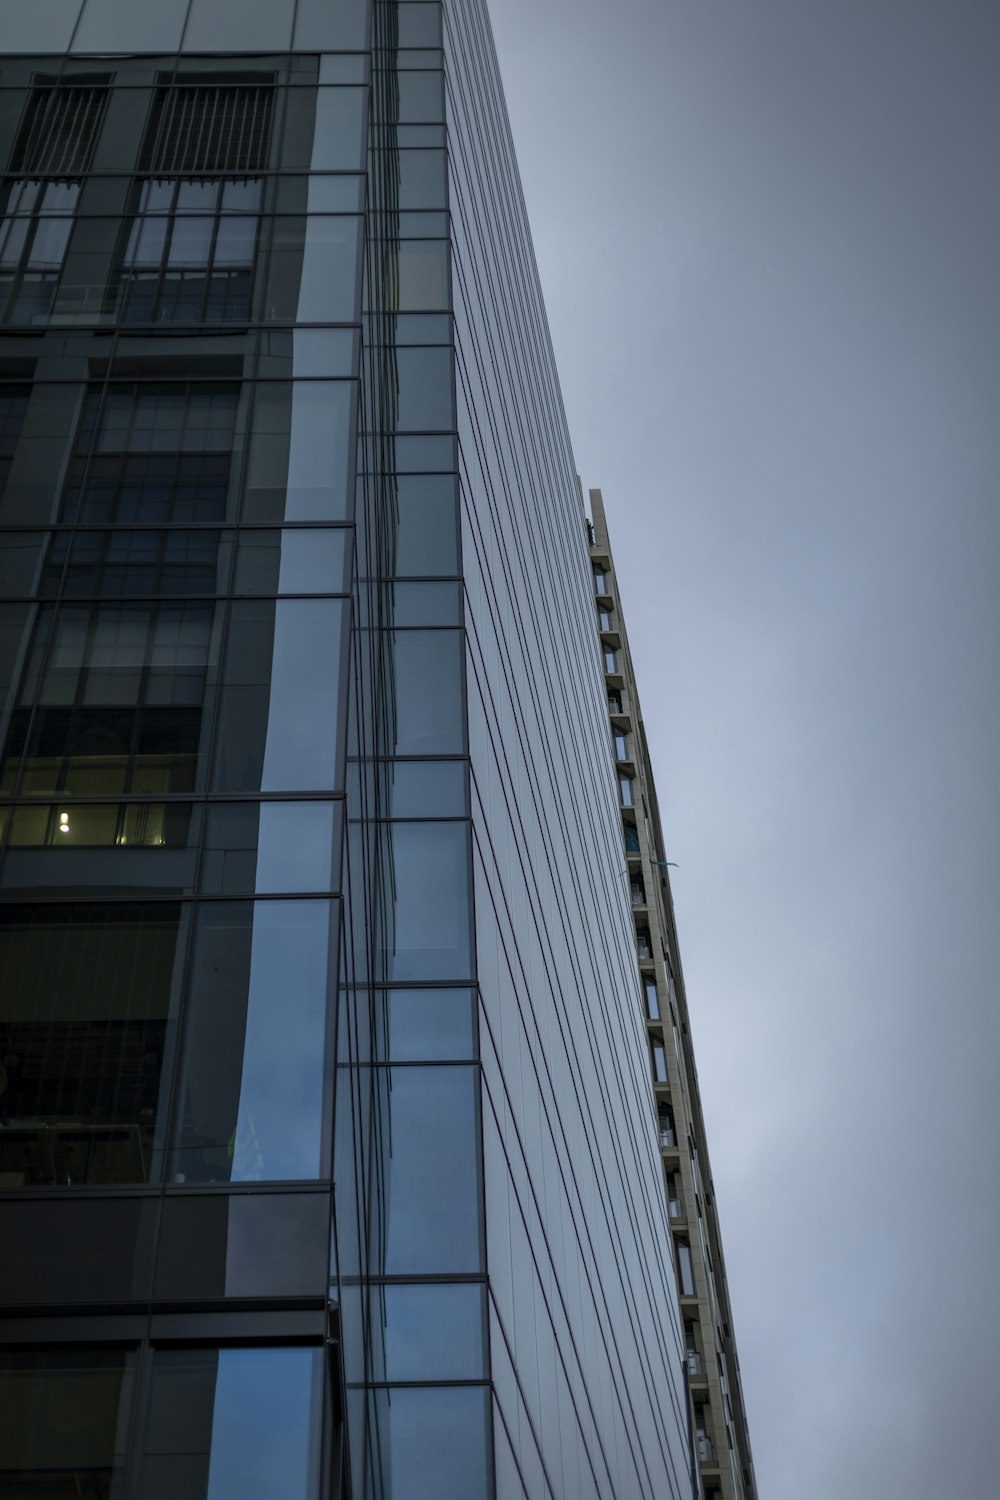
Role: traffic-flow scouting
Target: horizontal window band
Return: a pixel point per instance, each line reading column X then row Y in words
column 430, row 1278
column 419, row 1385
column 98, row 528
column 317, row 1187
column 142, row 897
column 182, row 799
column 422, row 1062
column 125, row 601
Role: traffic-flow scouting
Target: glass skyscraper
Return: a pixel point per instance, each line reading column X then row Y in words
column 329, row 1161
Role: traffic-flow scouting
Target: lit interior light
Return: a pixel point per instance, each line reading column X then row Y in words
column 64, row 822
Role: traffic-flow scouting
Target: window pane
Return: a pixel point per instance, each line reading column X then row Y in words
column 272, row 848
column 339, row 137
column 425, row 519
column 299, row 452
column 426, row 789
column 427, row 918
column 423, row 603
column 431, row 1181
column 422, row 179
column 425, row 389
column 422, row 271
column 62, row 1427
column 227, row 1423
column 313, row 562
column 85, row 1007
column 432, row 1332
column 426, row 672
column 280, row 711
column 434, row 1440
column 251, row 1098
column 314, row 268
column 423, row 1025
column 249, row 1245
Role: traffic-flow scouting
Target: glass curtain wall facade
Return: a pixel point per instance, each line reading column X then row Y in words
column 328, row 1159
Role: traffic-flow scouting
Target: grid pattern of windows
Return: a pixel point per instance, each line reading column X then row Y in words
column 191, row 248
column 190, row 253
column 153, row 452
column 176, row 571
column 34, row 234
column 53, row 150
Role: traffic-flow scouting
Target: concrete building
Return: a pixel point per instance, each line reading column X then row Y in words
column 724, row 1465
column 328, row 1157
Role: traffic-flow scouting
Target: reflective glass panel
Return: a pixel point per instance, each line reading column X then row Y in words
column 251, row 1096
column 425, row 788
column 428, row 699
column 427, row 920
column 231, row 1424
column 62, row 1423
column 433, row 1440
column 424, row 1025
column 85, row 1006
column 300, row 449
column 279, row 717
column 314, row 266
column 431, row 1170
column 432, row 1332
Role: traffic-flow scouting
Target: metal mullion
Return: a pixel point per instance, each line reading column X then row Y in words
column 72, row 111
column 209, row 264
column 247, row 132
column 168, row 240
column 34, row 131
column 204, row 120
column 157, row 150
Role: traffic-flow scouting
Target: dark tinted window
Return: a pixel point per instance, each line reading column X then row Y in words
column 61, row 1423
column 85, row 1005
column 427, row 921
column 434, row 1442
column 230, row 1423
column 431, row 1175
column 251, row 1096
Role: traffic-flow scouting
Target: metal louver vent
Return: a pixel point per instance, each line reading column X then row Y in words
column 59, row 130
column 220, row 129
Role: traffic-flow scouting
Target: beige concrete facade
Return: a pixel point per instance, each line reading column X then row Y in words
column 718, row 1416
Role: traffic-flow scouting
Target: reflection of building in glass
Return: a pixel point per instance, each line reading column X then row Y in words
column 328, row 1151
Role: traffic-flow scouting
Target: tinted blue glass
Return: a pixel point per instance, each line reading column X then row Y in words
column 300, row 451
column 427, row 679
column 427, row 1025
column 425, row 394
column 426, row 526
column 280, row 711
column 341, row 117
column 427, row 789
column 250, row 1103
column 431, row 1171
column 295, row 848
column 428, row 924
column 231, row 1424
column 433, row 1332
column 271, row 848
column 434, row 1442
column 424, row 603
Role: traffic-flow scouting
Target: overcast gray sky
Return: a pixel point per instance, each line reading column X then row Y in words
column 769, row 237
